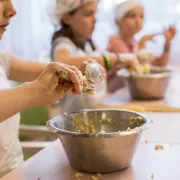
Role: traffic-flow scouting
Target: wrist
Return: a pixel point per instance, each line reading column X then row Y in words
column 33, row 92
column 167, row 47
column 107, row 62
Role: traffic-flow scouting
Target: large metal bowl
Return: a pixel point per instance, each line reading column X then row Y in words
column 149, row 86
column 100, row 152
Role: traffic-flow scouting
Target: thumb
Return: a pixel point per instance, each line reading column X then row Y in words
column 53, row 83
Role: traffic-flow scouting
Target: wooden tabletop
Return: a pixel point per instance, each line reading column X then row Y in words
column 52, row 164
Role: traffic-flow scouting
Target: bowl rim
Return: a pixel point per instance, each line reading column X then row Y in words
column 138, row 130
column 168, row 73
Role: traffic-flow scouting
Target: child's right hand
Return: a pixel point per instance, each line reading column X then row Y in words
column 49, row 88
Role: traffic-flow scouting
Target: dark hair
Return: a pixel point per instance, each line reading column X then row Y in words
column 66, row 31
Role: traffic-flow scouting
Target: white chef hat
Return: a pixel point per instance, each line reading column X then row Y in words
column 123, row 8
column 66, row 6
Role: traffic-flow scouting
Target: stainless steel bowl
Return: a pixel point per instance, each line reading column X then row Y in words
column 148, row 86
column 100, row 152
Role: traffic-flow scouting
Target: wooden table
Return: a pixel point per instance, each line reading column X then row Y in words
column 52, row 164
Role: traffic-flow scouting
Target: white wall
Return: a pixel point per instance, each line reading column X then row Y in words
column 31, row 30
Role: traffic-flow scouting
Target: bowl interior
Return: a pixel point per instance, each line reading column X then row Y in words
column 94, row 121
column 154, row 72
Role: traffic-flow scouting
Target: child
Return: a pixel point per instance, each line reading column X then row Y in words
column 130, row 19
column 43, row 88
column 77, row 21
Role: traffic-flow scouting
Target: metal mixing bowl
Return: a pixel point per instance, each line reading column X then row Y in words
column 104, row 151
column 148, row 86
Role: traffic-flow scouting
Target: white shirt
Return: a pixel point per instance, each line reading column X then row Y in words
column 11, row 154
column 65, row 43
column 74, row 103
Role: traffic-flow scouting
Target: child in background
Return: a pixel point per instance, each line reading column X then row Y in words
column 77, row 20
column 130, row 19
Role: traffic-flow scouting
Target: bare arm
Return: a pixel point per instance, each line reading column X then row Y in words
column 24, row 71
column 46, row 89
column 14, row 100
column 163, row 60
column 64, row 56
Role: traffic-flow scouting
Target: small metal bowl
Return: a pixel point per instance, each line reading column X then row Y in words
column 109, row 142
column 149, row 86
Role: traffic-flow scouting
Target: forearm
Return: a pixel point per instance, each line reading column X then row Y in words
column 163, row 60
column 142, row 44
column 14, row 100
column 24, row 71
column 77, row 61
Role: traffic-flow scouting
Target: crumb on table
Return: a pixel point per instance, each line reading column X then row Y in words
column 146, row 142
column 79, row 175
column 159, row 147
column 94, row 178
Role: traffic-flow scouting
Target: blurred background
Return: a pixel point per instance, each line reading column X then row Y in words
column 30, row 33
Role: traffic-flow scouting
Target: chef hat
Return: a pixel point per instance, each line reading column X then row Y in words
column 66, row 6
column 123, row 8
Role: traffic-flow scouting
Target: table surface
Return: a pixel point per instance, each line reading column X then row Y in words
column 170, row 103
column 52, row 164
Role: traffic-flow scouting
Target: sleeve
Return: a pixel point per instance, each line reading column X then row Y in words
column 5, row 62
column 65, row 44
column 116, row 45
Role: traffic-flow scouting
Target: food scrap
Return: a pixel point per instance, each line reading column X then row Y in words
column 143, row 69
column 159, row 147
column 94, row 178
column 102, row 132
column 146, row 142
column 90, row 91
column 136, row 122
column 105, row 119
column 152, row 176
column 84, row 125
column 79, row 175
column 65, row 78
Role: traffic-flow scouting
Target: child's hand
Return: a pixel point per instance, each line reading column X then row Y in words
column 50, row 88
